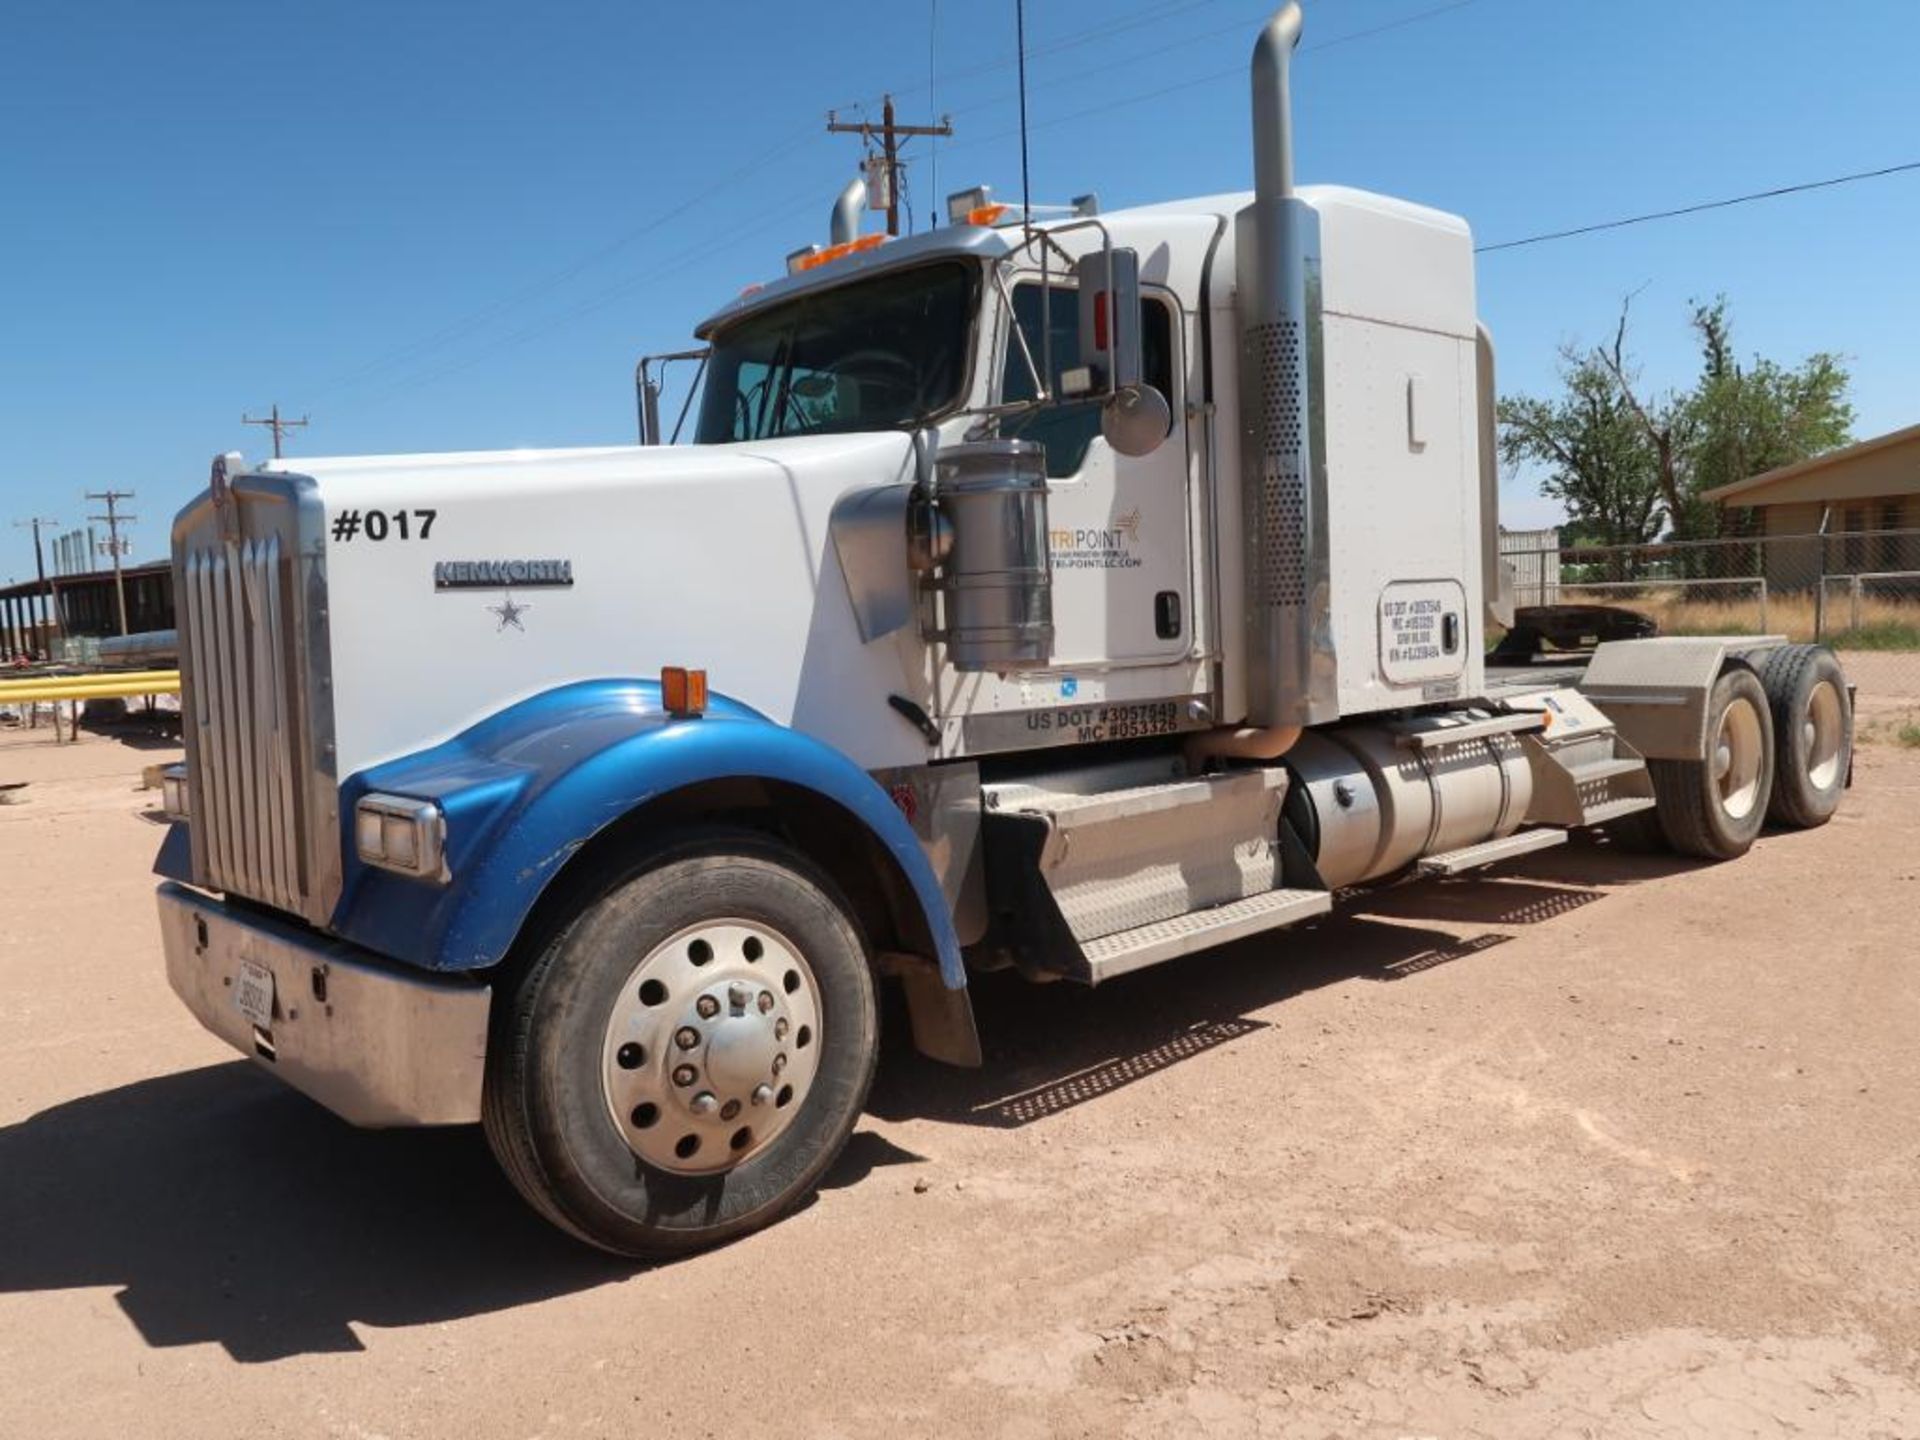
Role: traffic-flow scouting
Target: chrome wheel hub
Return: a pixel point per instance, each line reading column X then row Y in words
column 711, row 1046
column 1824, row 730
column 1736, row 759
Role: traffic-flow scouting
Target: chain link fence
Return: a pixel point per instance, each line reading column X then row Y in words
column 1857, row 591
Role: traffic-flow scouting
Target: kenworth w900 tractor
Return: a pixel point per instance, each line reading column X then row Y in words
column 1065, row 594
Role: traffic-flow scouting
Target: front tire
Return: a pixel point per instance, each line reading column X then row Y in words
column 683, row 1062
column 1714, row 807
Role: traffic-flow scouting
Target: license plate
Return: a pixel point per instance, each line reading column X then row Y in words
column 253, row 993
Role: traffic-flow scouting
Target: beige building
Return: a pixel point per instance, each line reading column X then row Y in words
column 1866, row 494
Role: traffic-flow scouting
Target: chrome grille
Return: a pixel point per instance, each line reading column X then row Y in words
column 242, row 697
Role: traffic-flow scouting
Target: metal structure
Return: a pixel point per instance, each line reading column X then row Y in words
column 114, row 520
column 273, row 421
column 889, row 134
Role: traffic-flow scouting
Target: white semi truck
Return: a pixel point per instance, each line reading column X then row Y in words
column 1068, row 595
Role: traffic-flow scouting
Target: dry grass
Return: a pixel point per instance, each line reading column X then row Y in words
column 1883, row 624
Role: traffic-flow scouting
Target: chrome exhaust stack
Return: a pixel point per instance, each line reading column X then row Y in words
column 1291, row 675
column 844, row 224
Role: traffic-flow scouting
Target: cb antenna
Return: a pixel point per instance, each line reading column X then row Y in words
column 1026, row 187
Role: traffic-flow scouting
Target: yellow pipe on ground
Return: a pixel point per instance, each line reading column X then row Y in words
column 73, row 686
column 92, row 677
column 21, row 692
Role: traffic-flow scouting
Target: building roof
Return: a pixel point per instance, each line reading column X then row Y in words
column 20, row 589
column 1773, row 487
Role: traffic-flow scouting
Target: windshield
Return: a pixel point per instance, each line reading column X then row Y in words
column 876, row 355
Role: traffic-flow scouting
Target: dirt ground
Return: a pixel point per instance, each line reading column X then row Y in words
column 1600, row 1145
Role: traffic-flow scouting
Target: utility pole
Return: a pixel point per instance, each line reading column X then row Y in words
column 276, row 424
column 39, row 561
column 114, row 521
column 889, row 135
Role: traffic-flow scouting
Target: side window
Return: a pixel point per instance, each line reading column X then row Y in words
column 1067, row 430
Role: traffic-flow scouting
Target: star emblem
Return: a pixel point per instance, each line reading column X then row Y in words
column 509, row 612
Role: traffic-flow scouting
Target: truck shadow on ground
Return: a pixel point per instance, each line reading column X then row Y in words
column 1052, row 1047
column 229, row 1209
column 224, row 1208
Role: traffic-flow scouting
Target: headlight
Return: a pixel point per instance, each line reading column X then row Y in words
column 173, row 792
column 402, row 835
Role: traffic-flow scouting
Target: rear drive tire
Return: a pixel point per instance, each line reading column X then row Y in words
column 684, row 1060
column 1714, row 807
column 1812, row 734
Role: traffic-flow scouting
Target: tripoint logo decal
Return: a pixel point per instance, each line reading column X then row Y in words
column 1117, row 547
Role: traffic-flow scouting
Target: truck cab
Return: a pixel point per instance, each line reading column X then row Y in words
column 1060, row 593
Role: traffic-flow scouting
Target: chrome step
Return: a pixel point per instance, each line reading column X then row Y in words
column 1606, row 770
column 1582, row 766
column 1432, row 732
column 1472, row 857
column 1135, row 949
column 1614, row 809
column 1116, row 860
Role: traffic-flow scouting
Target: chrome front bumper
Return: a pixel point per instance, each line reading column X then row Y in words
column 376, row 1044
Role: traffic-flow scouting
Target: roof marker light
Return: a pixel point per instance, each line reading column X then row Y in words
column 962, row 203
column 797, row 261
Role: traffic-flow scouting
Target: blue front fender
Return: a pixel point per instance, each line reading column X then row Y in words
column 526, row 788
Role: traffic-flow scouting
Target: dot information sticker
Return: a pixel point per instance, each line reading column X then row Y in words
column 1422, row 630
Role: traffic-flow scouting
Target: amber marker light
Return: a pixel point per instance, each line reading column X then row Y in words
column 797, row 262
column 683, row 692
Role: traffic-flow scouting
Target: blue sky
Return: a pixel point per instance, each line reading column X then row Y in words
column 440, row 226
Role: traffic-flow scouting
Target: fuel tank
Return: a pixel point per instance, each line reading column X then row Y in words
column 1369, row 800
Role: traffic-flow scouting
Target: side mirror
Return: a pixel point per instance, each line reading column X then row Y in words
column 1135, row 417
column 1110, row 318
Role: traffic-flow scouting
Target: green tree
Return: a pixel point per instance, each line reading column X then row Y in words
column 1629, row 462
column 1748, row 419
column 1593, row 450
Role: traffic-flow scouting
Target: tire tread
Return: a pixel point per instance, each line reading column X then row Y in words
column 516, row 1134
column 1782, row 672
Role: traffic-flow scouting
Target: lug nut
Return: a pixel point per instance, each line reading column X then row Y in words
column 704, row 1103
column 780, row 1028
column 730, row 1109
column 761, row 1094
column 686, row 1037
column 766, row 1001
column 779, row 1062
column 737, row 998
column 707, row 1006
column 685, row 1075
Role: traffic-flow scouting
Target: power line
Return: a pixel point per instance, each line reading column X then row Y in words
column 42, row 590
column 603, row 298
column 889, row 134
column 1072, row 40
column 1704, row 205
column 114, row 521
column 476, row 319
column 1237, row 27
column 274, row 423
column 1141, row 97
column 781, row 214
